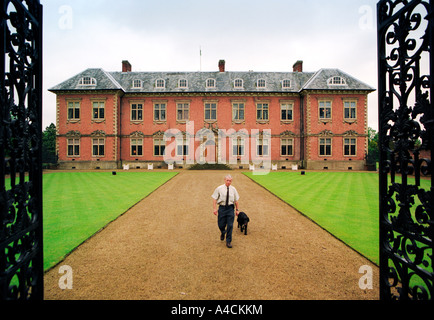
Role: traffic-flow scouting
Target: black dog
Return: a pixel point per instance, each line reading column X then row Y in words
column 243, row 220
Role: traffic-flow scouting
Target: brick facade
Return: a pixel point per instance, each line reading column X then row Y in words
column 108, row 120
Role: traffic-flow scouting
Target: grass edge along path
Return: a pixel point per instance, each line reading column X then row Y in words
column 345, row 204
column 77, row 205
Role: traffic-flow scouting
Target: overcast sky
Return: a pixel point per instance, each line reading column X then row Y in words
column 168, row 35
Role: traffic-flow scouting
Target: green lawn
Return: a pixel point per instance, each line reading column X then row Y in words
column 78, row 204
column 343, row 203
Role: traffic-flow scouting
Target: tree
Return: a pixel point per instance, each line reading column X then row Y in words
column 49, row 144
column 373, row 152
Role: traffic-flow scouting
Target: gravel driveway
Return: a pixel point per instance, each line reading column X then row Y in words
column 168, row 247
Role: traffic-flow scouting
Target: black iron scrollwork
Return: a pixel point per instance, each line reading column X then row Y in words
column 21, row 259
column 406, row 132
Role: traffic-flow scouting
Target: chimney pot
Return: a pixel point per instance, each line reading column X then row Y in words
column 126, row 66
column 222, row 66
column 298, row 66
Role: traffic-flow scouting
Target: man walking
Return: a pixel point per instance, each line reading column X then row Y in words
column 226, row 196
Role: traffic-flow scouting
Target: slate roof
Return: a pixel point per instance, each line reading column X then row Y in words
column 320, row 81
column 104, row 81
column 196, row 81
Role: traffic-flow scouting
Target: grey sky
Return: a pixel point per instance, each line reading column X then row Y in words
column 167, row 35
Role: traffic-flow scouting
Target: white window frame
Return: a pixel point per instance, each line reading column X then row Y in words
column 286, row 142
column 160, row 108
column 286, row 84
column 263, row 108
column 184, row 108
column 336, row 81
column 210, row 107
column 137, row 84
column 236, row 106
column 184, row 144
column 136, row 142
column 137, row 108
column 99, row 142
column 262, row 147
column 210, row 81
column 160, row 84
column 73, row 105
column 349, row 144
column 238, row 83
column 287, row 106
column 325, row 107
column 98, row 104
column 238, row 145
column 261, row 84
column 74, row 143
column 325, row 144
column 183, row 83
column 160, row 143
column 87, row 81
column 348, row 105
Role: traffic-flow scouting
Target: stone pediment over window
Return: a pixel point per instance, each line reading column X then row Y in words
column 98, row 133
column 137, row 134
column 211, row 126
column 287, row 133
column 325, row 133
column 158, row 133
column 207, row 130
column 350, row 133
column 259, row 134
column 242, row 133
column 73, row 134
column 187, row 134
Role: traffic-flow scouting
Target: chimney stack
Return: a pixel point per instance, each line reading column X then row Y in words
column 222, row 66
column 126, row 66
column 298, row 66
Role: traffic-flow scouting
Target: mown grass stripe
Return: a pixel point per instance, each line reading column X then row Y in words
column 340, row 202
column 78, row 204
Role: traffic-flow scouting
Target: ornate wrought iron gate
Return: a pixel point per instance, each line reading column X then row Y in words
column 21, row 263
column 406, row 134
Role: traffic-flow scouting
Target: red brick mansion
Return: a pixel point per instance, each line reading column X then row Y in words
column 315, row 120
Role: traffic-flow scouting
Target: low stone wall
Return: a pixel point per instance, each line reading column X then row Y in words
column 275, row 165
column 336, row 165
column 87, row 165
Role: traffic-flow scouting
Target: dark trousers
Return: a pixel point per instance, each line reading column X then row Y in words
column 225, row 219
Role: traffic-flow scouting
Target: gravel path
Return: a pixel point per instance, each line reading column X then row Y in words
column 168, row 247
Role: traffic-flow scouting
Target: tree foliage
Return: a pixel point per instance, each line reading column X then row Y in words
column 373, row 152
column 49, row 144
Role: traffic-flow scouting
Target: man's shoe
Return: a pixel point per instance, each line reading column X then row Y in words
column 229, row 245
column 222, row 236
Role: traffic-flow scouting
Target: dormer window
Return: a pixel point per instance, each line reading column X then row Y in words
column 260, row 84
column 137, row 84
column 336, row 81
column 210, row 83
column 238, row 83
column 160, row 84
column 286, row 84
column 87, row 81
column 183, row 83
